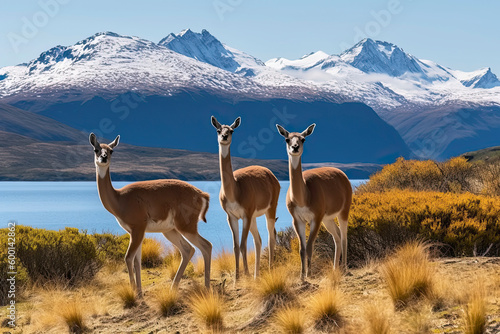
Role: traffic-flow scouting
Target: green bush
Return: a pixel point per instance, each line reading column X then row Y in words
column 111, row 247
column 65, row 256
column 21, row 276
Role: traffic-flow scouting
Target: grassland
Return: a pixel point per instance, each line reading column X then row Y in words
column 419, row 235
column 325, row 303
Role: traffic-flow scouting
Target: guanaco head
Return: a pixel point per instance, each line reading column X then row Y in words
column 294, row 140
column 225, row 132
column 102, row 152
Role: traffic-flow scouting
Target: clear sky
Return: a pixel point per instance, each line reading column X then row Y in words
column 460, row 34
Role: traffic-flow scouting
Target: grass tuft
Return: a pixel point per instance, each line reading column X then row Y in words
column 127, row 295
column 290, row 320
column 273, row 284
column 376, row 319
column 152, row 251
column 325, row 307
column 167, row 301
column 208, row 306
column 475, row 312
column 72, row 315
column 408, row 274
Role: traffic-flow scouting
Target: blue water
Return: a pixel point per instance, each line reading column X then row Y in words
column 55, row 205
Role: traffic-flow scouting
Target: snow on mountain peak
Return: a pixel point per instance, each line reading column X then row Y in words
column 101, row 45
column 482, row 78
column 208, row 49
column 372, row 56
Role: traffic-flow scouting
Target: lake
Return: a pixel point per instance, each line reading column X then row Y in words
column 55, row 205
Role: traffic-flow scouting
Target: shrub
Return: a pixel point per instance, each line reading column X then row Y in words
column 111, row 247
column 408, row 274
column 152, row 251
column 405, row 174
column 454, row 175
column 489, row 178
column 5, row 261
column 462, row 224
column 291, row 320
column 65, row 256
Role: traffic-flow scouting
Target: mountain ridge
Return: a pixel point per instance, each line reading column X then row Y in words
column 106, row 66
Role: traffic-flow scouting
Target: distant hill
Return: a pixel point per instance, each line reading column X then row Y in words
column 37, row 148
column 27, row 159
column 487, row 154
column 35, row 126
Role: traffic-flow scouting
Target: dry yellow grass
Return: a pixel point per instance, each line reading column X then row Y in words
column 167, row 301
column 246, row 311
column 475, row 312
column 376, row 318
column 72, row 314
column 291, row 320
column 419, row 319
column 332, row 278
column 208, row 306
column 198, row 267
column 408, row 273
column 325, row 307
column 127, row 295
column 223, row 263
column 273, row 284
column 152, row 251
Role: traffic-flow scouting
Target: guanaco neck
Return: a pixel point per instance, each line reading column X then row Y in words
column 298, row 194
column 107, row 194
column 226, row 173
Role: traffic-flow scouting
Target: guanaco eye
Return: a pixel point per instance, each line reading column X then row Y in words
column 218, row 131
column 302, row 139
column 287, row 140
column 231, row 132
column 96, row 150
column 110, row 152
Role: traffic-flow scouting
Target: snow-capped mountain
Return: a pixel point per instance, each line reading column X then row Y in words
column 108, row 64
column 370, row 63
column 208, row 49
column 482, row 78
column 404, row 90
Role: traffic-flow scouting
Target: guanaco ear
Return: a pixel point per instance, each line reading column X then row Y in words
column 282, row 131
column 236, row 123
column 215, row 123
column 115, row 142
column 308, row 131
column 93, row 141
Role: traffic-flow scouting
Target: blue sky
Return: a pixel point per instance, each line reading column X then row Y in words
column 458, row 34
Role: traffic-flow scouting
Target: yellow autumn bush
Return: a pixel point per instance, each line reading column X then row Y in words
column 454, row 175
column 462, row 224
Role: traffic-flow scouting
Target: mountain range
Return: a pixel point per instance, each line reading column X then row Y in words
column 372, row 103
